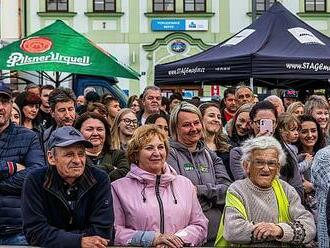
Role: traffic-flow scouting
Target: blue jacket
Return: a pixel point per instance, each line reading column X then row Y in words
column 48, row 219
column 17, row 145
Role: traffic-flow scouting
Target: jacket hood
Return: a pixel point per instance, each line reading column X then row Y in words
column 201, row 146
column 148, row 178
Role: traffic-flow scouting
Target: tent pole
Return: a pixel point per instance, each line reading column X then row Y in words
column 65, row 78
column 57, row 79
column 203, row 88
column 254, row 10
column 44, row 74
column 251, row 83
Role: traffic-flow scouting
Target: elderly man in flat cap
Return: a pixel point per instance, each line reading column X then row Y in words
column 68, row 204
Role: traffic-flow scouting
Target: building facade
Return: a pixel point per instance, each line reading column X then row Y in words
column 144, row 33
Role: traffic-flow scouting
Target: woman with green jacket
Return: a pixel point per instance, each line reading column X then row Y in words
column 95, row 129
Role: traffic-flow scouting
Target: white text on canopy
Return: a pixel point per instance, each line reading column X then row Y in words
column 16, row 59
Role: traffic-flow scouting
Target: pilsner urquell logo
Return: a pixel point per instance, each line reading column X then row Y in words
column 39, row 45
column 36, row 44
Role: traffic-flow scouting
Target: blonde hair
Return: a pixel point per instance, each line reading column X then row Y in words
column 315, row 101
column 174, row 117
column 141, row 137
column 286, row 121
column 294, row 106
column 115, row 136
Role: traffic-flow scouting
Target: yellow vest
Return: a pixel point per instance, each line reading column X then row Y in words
column 233, row 201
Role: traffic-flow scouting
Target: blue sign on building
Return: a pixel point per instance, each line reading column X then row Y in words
column 168, row 25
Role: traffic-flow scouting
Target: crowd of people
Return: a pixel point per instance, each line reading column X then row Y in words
column 165, row 172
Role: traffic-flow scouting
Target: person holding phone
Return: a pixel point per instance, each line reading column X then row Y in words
column 263, row 122
column 266, row 126
column 263, row 116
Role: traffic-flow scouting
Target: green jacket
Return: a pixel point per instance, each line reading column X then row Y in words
column 114, row 163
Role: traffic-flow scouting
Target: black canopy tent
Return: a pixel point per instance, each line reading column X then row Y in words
column 277, row 50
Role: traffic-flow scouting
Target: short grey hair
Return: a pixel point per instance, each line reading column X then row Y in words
column 276, row 101
column 243, row 87
column 262, row 143
column 152, row 88
column 271, row 98
column 182, row 107
column 315, row 101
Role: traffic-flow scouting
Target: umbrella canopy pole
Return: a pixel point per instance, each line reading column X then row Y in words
column 57, row 78
column 251, row 82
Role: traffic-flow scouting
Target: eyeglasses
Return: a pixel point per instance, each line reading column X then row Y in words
column 129, row 122
column 259, row 163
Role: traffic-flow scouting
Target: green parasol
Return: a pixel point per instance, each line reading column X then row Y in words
column 60, row 48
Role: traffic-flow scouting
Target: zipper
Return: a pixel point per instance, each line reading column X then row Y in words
column 160, row 203
column 81, row 196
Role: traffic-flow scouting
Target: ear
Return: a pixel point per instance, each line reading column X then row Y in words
column 143, row 101
column 51, row 158
column 246, row 167
column 278, row 170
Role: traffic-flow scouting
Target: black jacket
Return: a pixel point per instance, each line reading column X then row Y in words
column 47, row 218
column 17, row 145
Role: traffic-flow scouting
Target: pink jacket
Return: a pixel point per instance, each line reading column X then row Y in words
column 139, row 213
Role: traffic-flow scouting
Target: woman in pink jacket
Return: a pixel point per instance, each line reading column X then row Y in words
column 153, row 205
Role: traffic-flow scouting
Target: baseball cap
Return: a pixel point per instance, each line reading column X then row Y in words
column 67, row 136
column 290, row 94
column 4, row 90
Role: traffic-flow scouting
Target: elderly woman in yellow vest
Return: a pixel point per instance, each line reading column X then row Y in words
column 262, row 210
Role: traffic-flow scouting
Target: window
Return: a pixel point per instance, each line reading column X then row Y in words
column 195, row 5
column 104, row 5
column 57, row 5
column 163, row 5
column 263, row 5
column 315, row 5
